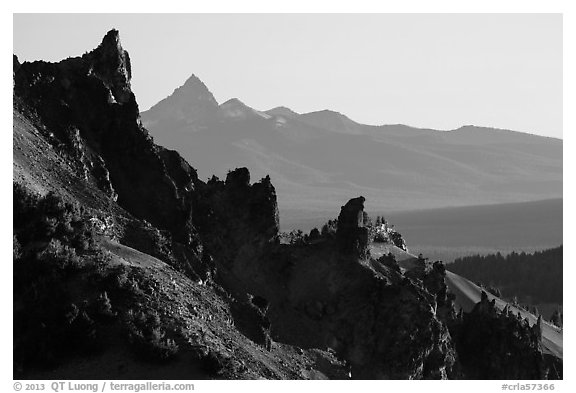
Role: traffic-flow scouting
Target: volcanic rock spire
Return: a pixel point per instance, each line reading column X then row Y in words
column 352, row 236
column 111, row 64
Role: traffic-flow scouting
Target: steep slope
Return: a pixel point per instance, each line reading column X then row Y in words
column 317, row 159
column 467, row 295
column 125, row 257
column 178, row 236
column 88, row 106
column 77, row 143
column 331, row 295
column 193, row 313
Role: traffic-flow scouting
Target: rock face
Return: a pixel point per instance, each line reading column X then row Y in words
column 88, row 105
column 237, row 221
column 111, row 64
column 327, row 295
column 382, row 323
column 323, row 296
column 92, row 116
column 252, row 322
column 398, row 240
column 15, row 64
column 352, row 235
column 499, row 345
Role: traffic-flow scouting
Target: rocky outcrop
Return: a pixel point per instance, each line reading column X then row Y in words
column 15, row 65
column 321, row 295
column 237, row 221
column 252, row 321
column 87, row 103
column 352, row 235
column 398, row 240
column 91, row 117
column 111, row 64
column 495, row 344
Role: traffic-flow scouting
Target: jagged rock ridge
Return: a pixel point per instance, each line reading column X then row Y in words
column 382, row 323
column 88, row 105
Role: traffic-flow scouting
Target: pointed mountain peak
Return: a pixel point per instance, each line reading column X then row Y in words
column 112, row 40
column 190, row 102
column 111, row 63
column 194, row 91
column 192, row 81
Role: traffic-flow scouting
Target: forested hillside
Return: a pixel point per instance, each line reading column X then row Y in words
column 532, row 278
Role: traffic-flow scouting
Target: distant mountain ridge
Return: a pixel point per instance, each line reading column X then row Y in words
column 317, row 158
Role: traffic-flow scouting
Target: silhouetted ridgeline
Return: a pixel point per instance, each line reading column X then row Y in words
column 532, row 278
column 129, row 266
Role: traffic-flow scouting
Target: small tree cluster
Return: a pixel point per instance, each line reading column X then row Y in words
column 298, row 237
column 147, row 337
column 41, row 219
column 329, row 229
column 380, row 220
column 53, row 246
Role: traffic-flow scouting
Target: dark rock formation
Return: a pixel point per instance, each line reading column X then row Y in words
column 91, row 113
column 252, row 321
column 88, row 105
column 352, row 235
column 237, row 221
column 15, row 65
column 323, row 295
column 111, row 64
column 498, row 345
column 382, row 324
column 390, row 261
column 398, row 241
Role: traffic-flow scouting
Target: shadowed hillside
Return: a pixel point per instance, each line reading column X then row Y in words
column 127, row 264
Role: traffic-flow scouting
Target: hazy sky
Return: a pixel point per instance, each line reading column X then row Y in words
column 426, row 70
